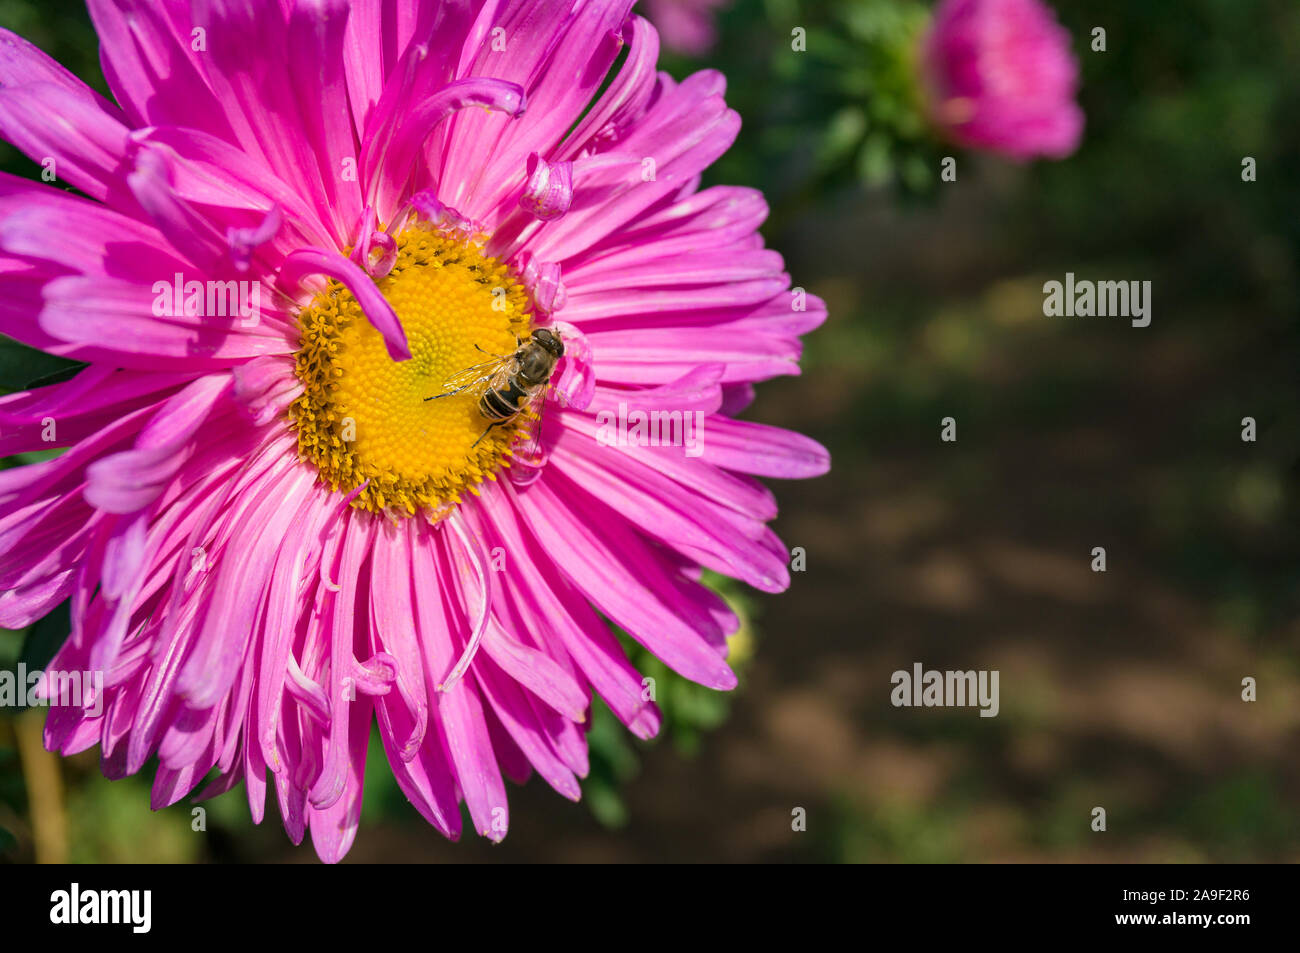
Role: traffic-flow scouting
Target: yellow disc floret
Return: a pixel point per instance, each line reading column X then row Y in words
column 363, row 418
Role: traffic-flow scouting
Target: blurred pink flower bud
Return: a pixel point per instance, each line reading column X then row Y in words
column 999, row 75
column 685, row 26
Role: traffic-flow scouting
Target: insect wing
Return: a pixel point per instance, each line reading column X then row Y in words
column 480, row 377
column 528, row 450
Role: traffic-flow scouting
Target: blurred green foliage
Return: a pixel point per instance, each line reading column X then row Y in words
column 688, row 711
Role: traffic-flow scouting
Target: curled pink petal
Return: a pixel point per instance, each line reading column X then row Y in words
column 480, row 614
column 321, row 261
column 544, row 284
column 244, row 241
column 423, row 117
column 576, row 377
column 549, row 189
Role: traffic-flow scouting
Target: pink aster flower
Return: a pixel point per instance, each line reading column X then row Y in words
column 686, row 25
column 295, row 232
column 999, row 75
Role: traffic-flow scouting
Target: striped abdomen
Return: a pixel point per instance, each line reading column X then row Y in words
column 504, row 403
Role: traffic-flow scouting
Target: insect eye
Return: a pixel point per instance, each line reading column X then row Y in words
column 549, row 341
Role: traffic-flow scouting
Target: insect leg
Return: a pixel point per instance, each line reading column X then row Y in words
column 495, row 423
column 450, row 392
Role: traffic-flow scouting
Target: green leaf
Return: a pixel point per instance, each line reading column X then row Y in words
column 58, row 377
column 7, row 841
column 23, row 367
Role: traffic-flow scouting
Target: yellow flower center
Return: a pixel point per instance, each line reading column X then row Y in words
column 363, row 418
